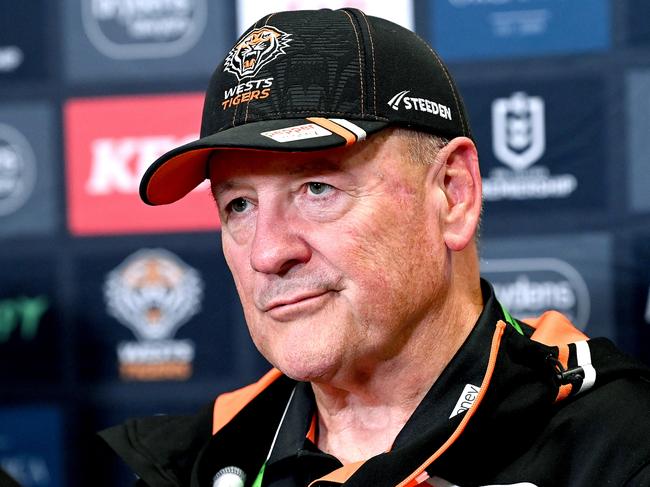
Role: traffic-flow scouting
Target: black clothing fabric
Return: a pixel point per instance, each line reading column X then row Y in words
column 496, row 416
column 6, row 480
column 295, row 460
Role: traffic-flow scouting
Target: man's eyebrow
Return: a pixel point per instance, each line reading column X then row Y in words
column 223, row 185
column 300, row 168
column 216, row 188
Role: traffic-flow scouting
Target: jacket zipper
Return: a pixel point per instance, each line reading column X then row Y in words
column 420, row 475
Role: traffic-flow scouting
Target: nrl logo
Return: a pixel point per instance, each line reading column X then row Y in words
column 518, row 130
column 255, row 50
column 153, row 293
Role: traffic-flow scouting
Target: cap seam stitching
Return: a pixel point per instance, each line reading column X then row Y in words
column 234, row 114
column 356, row 35
column 248, row 104
column 451, row 85
column 372, row 50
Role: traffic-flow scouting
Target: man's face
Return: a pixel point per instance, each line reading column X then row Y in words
column 337, row 255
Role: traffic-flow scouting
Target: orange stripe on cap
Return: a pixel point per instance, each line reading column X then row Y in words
column 326, row 123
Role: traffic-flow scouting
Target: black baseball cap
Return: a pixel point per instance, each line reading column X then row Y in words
column 311, row 80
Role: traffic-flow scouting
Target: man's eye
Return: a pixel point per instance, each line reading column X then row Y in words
column 316, row 188
column 238, row 205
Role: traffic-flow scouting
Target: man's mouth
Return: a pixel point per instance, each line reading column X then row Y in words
column 297, row 306
column 291, row 300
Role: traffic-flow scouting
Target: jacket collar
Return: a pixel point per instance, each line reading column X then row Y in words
column 519, row 391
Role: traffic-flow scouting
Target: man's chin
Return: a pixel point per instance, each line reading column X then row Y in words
column 301, row 368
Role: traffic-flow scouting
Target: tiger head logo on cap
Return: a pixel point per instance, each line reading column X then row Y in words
column 256, row 49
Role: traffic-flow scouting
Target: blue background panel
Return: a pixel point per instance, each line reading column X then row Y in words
column 476, row 29
column 32, row 445
column 637, row 15
column 569, row 126
column 23, row 36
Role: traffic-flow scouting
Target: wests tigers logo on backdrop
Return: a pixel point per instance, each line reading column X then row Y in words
column 255, row 50
column 154, row 293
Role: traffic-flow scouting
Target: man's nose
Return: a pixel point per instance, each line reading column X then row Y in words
column 279, row 243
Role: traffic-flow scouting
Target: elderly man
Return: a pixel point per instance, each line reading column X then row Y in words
column 357, row 268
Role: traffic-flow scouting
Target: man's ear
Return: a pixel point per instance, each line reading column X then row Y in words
column 460, row 181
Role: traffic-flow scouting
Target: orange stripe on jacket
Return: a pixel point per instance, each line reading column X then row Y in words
column 228, row 405
column 553, row 328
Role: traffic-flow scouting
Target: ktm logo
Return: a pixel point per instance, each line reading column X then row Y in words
column 255, row 50
column 117, row 164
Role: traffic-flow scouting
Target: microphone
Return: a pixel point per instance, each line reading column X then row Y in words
column 229, row 477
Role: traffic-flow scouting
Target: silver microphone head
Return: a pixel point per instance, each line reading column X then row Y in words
column 229, row 477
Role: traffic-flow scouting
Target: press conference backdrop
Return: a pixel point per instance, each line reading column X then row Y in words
column 110, row 309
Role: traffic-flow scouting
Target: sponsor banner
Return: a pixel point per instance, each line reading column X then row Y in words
column 638, row 12
column 154, row 314
column 570, row 274
column 28, row 200
column 31, row 331
column 478, row 29
column 110, row 142
column 22, row 40
column 638, row 127
column 123, row 39
column 541, row 144
column 398, row 11
column 32, row 445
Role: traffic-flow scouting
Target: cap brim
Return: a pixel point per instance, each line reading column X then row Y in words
column 180, row 170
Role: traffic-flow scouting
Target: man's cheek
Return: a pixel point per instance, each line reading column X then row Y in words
column 373, row 241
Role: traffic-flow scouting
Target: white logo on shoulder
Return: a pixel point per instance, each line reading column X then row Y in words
column 419, row 105
column 466, row 399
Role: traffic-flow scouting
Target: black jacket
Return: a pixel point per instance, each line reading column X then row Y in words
column 553, row 410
